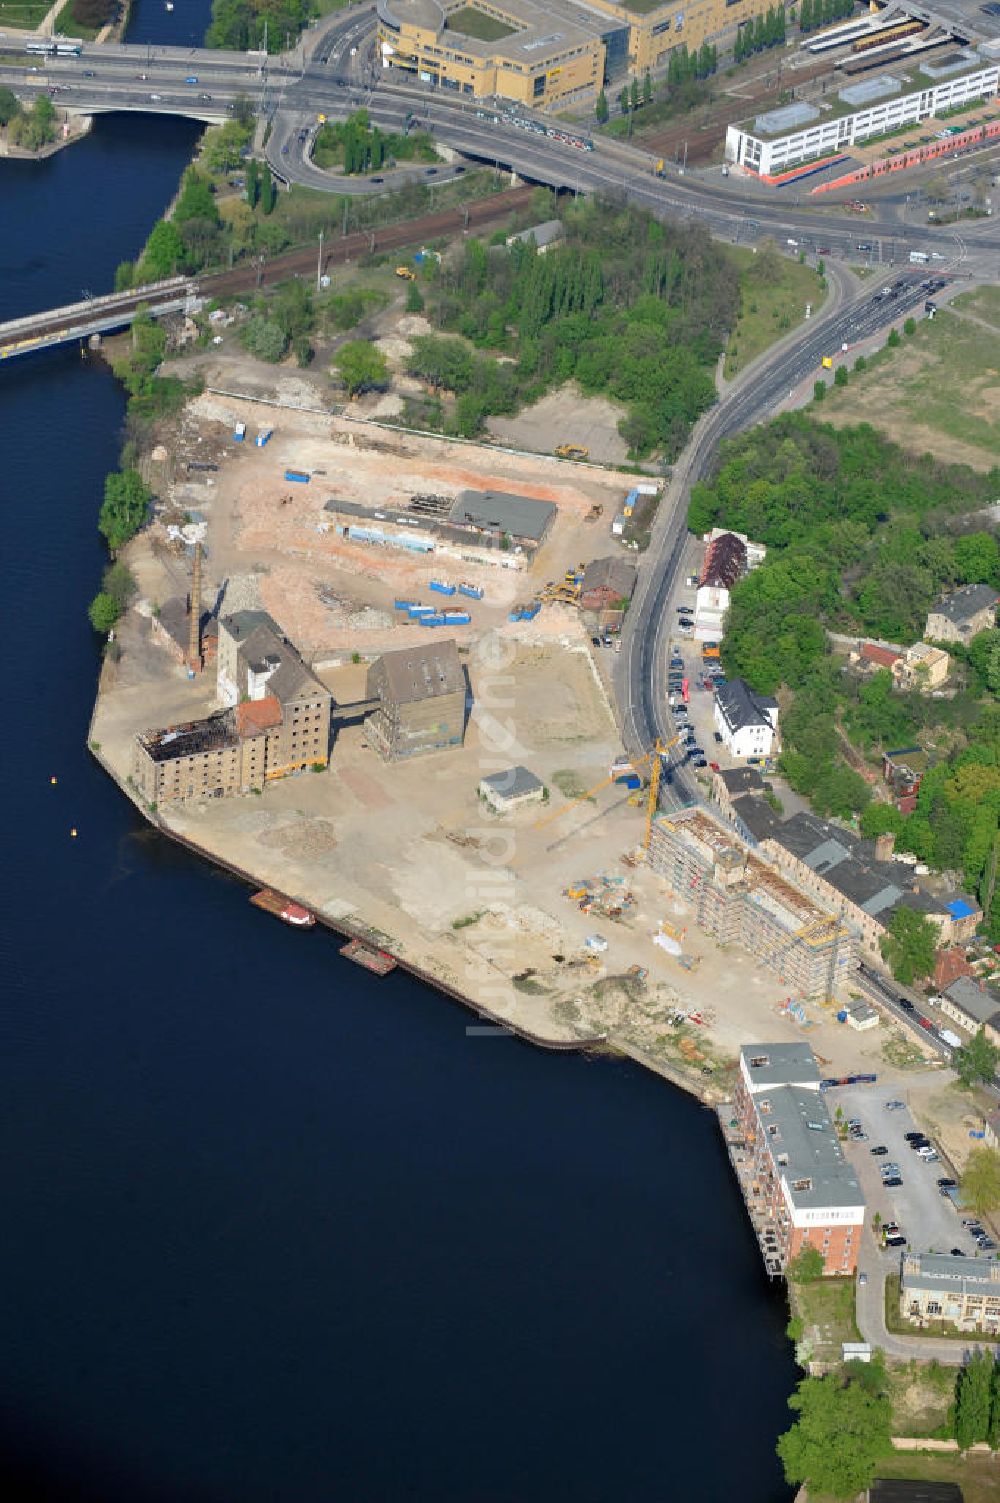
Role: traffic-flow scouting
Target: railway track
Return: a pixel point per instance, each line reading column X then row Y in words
column 475, row 215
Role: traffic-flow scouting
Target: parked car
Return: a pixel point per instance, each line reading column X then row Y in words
column 862, row 1278
column 957, row 1252
column 895, row 1106
column 879, row 1150
column 892, row 1181
column 914, row 1137
column 718, row 737
column 986, row 1244
column 905, row 1004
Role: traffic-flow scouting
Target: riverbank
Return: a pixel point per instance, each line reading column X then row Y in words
column 403, row 854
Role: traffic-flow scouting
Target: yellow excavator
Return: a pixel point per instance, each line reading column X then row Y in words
column 572, row 451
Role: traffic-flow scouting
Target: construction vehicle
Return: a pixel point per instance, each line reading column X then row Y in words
column 406, row 274
column 595, row 513
column 827, row 362
column 572, row 451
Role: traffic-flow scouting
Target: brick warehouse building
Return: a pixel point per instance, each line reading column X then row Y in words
column 800, row 1190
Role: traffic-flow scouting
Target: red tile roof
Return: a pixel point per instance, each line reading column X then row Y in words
column 884, row 656
column 255, row 716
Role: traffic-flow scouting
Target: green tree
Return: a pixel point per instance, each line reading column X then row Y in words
column 243, row 111
column 977, row 1060
column 361, row 367
column 601, row 108
column 819, row 391
column 972, row 1399
column 44, row 112
column 623, row 101
column 909, row 946
column 993, row 1435
column 103, row 611
column 977, row 558
column 981, row 1180
column 10, row 106
column 163, row 254
column 124, row 276
column 910, row 326
column 124, row 509
column 633, row 94
column 841, row 1433
column 253, row 182
column 119, row 583
column 414, row 298
column 265, row 338
column 268, row 190
column 861, row 364
column 196, row 200
column 840, row 378
column 881, row 819
column 807, row 1267
column 893, row 340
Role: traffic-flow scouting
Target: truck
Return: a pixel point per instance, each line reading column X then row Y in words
column 918, row 258
column 947, row 1036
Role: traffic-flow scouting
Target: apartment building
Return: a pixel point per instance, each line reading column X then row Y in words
column 800, row 1190
column 937, row 1288
column 739, row 899
column 746, row 721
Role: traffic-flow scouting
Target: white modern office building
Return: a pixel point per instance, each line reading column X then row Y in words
column 801, row 132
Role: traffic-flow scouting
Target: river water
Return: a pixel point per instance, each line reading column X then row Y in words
column 274, row 1230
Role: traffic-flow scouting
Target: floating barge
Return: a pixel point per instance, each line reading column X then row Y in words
column 377, row 961
column 283, row 908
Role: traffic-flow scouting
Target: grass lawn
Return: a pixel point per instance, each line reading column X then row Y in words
column 67, row 25
column 984, row 302
column 469, row 22
column 938, row 392
column 770, row 304
column 826, row 1309
column 25, row 14
column 977, row 1475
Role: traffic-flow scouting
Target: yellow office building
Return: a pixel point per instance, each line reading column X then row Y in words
column 553, row 54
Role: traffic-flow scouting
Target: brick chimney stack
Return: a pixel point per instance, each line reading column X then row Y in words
column 884, row 846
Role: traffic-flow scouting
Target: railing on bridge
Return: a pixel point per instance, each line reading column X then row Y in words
column 95, row 305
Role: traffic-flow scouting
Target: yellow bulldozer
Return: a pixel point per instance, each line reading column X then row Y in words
column 572, row 451
column 406, row 274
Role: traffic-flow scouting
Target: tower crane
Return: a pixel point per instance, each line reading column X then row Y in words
column 654, row 758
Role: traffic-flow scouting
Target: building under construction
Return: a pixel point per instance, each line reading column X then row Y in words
column 738, row 899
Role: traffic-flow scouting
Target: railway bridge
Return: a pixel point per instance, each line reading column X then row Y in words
column 95, row 315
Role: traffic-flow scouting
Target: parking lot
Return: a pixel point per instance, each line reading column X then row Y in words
column 700, row 708
column 927, row 1219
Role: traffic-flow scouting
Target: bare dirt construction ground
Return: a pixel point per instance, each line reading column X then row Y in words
column 328, row 593
column 909, row 393
column 566, row 417
column 410, row 855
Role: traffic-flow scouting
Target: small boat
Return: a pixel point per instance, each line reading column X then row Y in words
column 170, row 4
column 378, row 961
column 283, row 908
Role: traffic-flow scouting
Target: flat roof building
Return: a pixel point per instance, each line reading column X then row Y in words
column 543, row 54
column 799, row 1189
column 768, row 148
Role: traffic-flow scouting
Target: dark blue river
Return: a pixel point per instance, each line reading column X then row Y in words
column 271, row 1230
